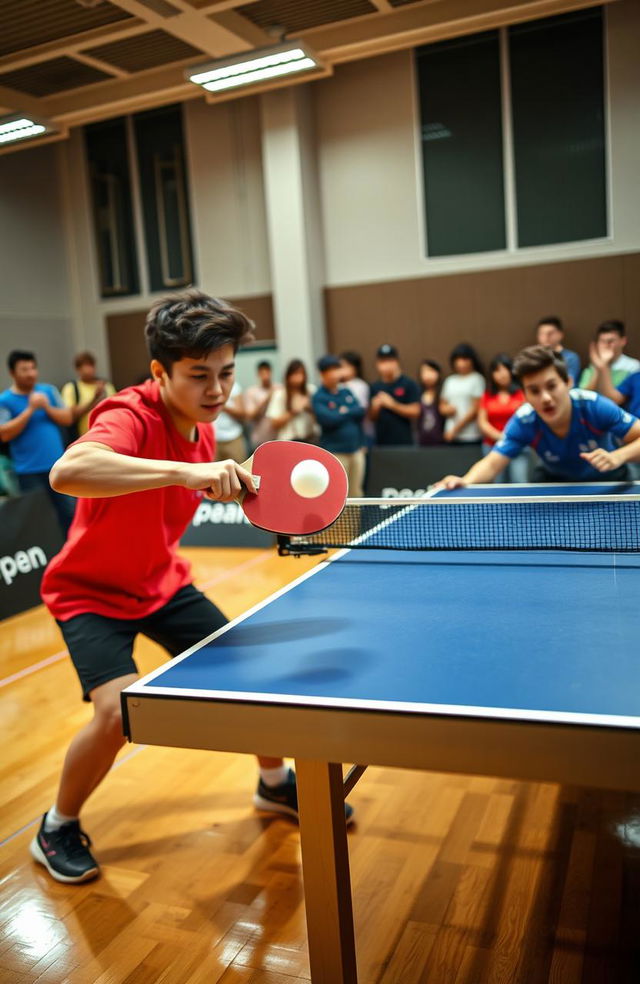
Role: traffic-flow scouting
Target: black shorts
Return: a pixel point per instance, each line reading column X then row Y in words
column 101, row 648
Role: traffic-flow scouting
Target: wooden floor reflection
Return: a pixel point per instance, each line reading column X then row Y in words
column 457, row 880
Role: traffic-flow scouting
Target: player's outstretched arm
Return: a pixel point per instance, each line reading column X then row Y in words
column 92, row 471
column 482, row 473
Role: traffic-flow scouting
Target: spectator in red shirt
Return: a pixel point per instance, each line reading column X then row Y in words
column 139, row 473
column 500, row 401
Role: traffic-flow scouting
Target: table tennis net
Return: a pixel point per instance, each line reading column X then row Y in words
column 591, row 523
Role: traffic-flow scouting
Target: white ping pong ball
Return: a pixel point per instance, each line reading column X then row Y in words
column 309, row 478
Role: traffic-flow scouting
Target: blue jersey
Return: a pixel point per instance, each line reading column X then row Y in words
column 40, row 444
column 595, row 423
column 630, row 388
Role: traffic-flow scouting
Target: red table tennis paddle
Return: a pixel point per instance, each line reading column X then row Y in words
column 276, row 507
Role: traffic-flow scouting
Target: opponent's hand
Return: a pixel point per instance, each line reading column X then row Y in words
column 38, row 400
column 222, row 481
column 451, row 482
column 601, row 460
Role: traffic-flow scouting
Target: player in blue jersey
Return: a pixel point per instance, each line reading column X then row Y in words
column 578, row 435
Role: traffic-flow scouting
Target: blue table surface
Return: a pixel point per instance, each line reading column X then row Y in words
column 525, row 630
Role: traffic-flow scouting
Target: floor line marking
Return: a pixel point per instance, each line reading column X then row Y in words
column 50, row 660
column 38, row 819
column 28, row 670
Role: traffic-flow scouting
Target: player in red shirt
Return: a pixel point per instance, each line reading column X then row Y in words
column 139, row 473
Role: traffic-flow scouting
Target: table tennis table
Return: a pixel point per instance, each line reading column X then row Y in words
column 511, row 663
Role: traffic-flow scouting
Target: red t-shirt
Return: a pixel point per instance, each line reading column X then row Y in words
column 120, row 557
column 499, row 410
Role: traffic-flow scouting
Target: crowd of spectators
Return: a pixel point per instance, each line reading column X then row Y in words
column 466, row 405
column 344, row 413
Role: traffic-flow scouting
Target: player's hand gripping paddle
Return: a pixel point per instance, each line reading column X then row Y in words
column 302, row 489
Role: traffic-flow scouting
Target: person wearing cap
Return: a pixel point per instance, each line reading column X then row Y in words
column 395, row 400
column 340, row 415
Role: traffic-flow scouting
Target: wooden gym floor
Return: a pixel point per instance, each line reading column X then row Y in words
column 456, row 879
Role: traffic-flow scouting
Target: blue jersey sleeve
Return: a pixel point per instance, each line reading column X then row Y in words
column 608, row 416
column 518, row 434
column 628, row 385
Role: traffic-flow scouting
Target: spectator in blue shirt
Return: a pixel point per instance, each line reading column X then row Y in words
column 340, row 415
column 579, row 435
column 550, row 332
column 31, row 415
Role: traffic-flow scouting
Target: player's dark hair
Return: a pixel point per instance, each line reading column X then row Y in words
column 355, row 361
column 608, row 326
column 436, row 368
column 19, row 355
column 534, row 359
column 84, row 359
column 296, row 365
column 465, row 351
column 264, row 365
column 190, row 324
column 554, row 320
column 501, row 359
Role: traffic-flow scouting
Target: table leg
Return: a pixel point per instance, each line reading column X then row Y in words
column 325, row 868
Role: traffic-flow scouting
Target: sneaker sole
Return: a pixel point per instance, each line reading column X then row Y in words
column 38, row 855
column 270, row 807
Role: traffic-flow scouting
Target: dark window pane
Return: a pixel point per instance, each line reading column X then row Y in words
column 164, row 197
column 112, row 212
column 460, row 103
column 558, row 128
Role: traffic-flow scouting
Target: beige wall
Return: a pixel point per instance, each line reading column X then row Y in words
column 224, row 162
column 35, row 306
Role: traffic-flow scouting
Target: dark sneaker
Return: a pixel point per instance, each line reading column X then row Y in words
column 65, row 852
column 284, row 798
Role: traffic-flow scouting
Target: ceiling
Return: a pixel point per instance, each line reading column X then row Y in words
column 77, row 61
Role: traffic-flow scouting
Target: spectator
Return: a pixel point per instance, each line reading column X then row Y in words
column 395, row 400
column 31, row 415
column 353, row 379
column 550, row 332
column 256, row 400
column 84, row 392
column 611, row 337
column 230, row 439
column 431, row 419
column 290, row 409
column 499, row 402
column 461, row 393
column 627, row 392
column 575, row 433
column 339, row 415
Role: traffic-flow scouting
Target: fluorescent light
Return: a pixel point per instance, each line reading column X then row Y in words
column 265, row 73
column 20, row 129
column 265, row 63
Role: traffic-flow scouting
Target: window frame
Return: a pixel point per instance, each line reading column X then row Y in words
column 545, row 252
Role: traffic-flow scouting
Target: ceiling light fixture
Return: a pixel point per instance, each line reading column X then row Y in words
column 262, row 65
column 21, row 129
